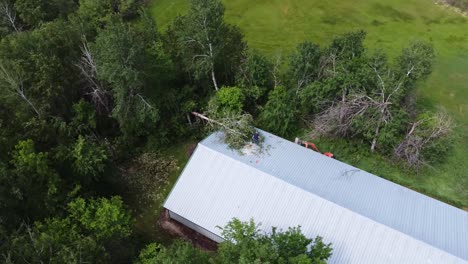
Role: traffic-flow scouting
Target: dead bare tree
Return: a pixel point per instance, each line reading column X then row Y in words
column 9, row 14
column 389, row 93
column 377, row 104
column 420, row 135
column 98, row 93
column 13, row 82
column 339, row 117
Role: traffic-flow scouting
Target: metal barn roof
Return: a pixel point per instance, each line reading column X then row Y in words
column 368, row 219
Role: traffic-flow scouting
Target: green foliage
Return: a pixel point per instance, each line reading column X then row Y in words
column 437, row 149
column 104, row 218
column 203, row 44
column 179, row 252
column 53, row 241
column 89, row 159
column 255, row 78
column 322, row 76
column 278, row 115
column 79, row 237
column 245, row 243
column 349, row 45
column 33, row 12
column 121, row 58
column 35, row 184
column 304, row 64
column 147, row 176
column 416, row 61
column 27, row 161
column 227, row 100
column 99, row 13
column 84, row 118
column 255, row 71
column 47, row 70
column 238, row 129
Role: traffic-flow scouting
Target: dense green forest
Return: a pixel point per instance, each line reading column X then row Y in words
column 95, row 123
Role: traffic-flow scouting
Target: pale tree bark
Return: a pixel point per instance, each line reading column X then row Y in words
column 98, row 93
column 213, row 78
column 38, row 251
column 419, row 137
column 210, row 49
column 212, row 121
column 206, row 57
column 385, row 99
column 145, row 102
column 8, row 12
column 14, row 83
column 276, row 70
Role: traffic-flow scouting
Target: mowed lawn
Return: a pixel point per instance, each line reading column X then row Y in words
column 275, row 27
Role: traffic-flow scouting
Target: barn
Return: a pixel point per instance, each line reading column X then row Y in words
column 366, row 218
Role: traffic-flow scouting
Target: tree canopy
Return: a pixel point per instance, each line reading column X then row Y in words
column 245, row 243
column 97, row 102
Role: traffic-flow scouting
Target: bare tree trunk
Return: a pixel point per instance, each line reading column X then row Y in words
column 210, row 50
column 189, row 119
column 276, row 70
column 213, row 77
column 13, row 82
column 10, row 14
column 30, row 104
column 215, row 122
column 374, row 141
column 87, row 65
column 377, row 129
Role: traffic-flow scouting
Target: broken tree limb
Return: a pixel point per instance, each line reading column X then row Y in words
column 216, row 122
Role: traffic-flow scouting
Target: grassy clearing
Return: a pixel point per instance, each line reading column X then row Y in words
column 275, row 27
column 146, row 223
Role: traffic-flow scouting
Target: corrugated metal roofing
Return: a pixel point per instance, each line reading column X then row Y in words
column 368, row 219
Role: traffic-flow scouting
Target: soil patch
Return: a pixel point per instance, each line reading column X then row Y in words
column 178, row 229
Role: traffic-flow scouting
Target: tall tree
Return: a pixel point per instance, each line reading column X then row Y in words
column 426, row 141
column 245, row 243
column 79, row 237
column 377, row 113
column 99, row 13
column 12, row 83
column 8, row 16
column 255, row 78
column 179, row 252
column 305, row 65
column 33, row 184
column 205, row 43
column 43, row 71
column 35, row 12
column 121, row 56
column 278, row 115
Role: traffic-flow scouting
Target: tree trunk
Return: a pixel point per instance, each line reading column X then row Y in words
column 377, row 130
column 34, row 108
column 213, row 77
column 22, row 95
column 189, row 119
column 374, row 141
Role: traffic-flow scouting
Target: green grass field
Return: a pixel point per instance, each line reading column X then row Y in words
column 275, row 27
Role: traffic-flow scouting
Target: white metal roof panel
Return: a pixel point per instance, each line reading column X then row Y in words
column 289, row 185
